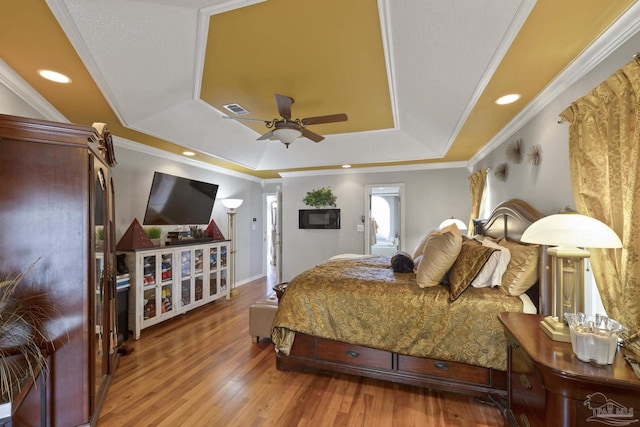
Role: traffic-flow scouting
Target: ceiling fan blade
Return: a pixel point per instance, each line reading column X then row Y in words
column 267, row 135
column 324, row 119
column 246, row 118
column 312, row 136
column 284, row 105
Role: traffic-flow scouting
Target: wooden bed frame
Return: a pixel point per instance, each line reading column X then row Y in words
column 310, row 353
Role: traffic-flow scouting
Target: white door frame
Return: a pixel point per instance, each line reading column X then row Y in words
column 367, row 218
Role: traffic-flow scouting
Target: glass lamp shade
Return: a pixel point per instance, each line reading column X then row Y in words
column 447, row 222
column 231, row 203
column 568, row 233
column 287, row 135
column 571, row 230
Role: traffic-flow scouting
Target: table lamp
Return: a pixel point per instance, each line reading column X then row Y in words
column 447, row 222
column 569, row 233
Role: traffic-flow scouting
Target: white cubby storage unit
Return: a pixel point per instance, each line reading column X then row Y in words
column 171, row 280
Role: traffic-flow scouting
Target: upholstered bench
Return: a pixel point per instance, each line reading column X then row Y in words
column 261, row 317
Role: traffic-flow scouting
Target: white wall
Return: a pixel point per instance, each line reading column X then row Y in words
column 132, row 178
column 430, row 197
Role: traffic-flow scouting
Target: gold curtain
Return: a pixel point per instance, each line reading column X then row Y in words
column 477, row 181
column 604, row 159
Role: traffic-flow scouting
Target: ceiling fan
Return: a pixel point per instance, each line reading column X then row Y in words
column 287, row 129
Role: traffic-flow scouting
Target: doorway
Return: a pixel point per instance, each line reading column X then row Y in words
column 384, row 219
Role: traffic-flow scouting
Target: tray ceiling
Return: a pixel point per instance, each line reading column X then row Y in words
column 416, row 78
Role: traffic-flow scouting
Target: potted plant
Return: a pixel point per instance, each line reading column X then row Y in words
column 320, row 198
column 99, row 237
column 154, row 234
column 22, row 334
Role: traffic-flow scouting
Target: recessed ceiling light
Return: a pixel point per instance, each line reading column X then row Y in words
column 346, row 166
column 188, row 153
column 54, row 76
column 508, row 99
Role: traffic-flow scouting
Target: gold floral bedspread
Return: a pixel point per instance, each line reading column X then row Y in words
column 363, row 302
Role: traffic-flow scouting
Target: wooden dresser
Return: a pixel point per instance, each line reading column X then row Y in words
column 549, row 386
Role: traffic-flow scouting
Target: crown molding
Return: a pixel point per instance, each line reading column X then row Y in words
column 22, row 89
column 374, row 169
column 152, row 151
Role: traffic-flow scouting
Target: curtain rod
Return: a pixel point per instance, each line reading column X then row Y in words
column 636, row 57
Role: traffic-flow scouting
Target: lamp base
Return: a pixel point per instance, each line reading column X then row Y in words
column 555, row 329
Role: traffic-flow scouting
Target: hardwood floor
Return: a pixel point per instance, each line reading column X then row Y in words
column 203, row 369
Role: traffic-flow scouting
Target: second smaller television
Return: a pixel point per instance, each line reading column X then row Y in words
column 324, row 219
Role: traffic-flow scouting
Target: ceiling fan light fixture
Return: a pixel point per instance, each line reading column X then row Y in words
column 287, row 135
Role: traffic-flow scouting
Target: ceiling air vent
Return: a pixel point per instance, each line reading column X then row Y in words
column 236, row 109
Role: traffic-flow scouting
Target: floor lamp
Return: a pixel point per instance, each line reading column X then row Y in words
column 232, row 205
column 569, row 233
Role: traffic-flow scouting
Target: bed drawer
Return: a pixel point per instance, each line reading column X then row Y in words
column 353, row 354
column 439, row 368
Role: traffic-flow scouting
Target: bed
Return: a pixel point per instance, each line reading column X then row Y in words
column 355, row 315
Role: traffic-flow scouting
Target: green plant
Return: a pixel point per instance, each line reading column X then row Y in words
column 22, row 334
column 153, row 232
column 100, row 232
column 320, row 198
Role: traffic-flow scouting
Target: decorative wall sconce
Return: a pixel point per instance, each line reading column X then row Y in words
column 534, row 154
column 514, row 151
column 501, row 172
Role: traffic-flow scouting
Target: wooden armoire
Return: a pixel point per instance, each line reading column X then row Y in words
column 56, row 193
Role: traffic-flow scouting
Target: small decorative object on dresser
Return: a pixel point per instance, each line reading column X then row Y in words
column 549, row 386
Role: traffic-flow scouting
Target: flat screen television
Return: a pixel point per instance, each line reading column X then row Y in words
column 174, row 200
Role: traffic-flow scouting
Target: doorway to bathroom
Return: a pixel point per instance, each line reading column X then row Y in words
column 384, row 219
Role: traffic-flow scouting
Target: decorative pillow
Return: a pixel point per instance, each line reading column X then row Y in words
column 440, row 252
column 522, row 271
column 473, row 256
column 401, row 262
column 494, row 268
column 420, row 246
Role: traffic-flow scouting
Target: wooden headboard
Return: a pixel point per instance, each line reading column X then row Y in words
column 509, row 219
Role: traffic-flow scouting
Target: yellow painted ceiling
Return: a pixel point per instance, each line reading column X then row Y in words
column 555, row 33
column 241, row 67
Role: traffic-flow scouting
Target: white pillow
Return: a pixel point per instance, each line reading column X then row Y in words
column 493, row 270
column 505, row 258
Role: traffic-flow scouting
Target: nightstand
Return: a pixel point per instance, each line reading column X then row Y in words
column 549, row 386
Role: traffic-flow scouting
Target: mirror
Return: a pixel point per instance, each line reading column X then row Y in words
column 101, row 242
